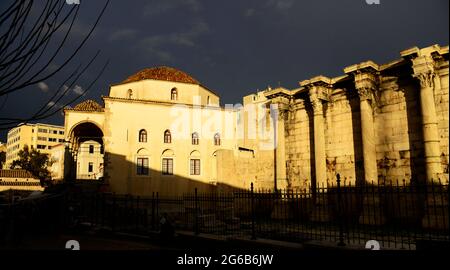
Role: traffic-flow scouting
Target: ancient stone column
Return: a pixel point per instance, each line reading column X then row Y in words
column 319, row 89
column 424, row 71
column 319, row 138
column 365, row 84
column 280, row 149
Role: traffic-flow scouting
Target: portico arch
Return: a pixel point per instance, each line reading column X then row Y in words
column 86, row 143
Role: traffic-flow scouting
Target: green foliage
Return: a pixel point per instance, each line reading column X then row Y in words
column 34, row 162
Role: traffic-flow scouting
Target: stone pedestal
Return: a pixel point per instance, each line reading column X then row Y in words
column 281, row 211
column 321, row 212
column 373, row 212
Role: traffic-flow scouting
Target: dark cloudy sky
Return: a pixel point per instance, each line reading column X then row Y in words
column 238, row 46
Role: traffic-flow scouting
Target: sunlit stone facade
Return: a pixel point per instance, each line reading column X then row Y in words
column 164, row 131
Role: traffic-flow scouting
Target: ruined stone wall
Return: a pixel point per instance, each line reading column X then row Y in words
column 343, row 138
column 399, row 141
column 238, row 169
column 299, row 147
column 442, row 110
column 398, row 132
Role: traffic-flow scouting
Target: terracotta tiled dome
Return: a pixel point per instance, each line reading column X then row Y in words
column 163, row 74
column 88, row 106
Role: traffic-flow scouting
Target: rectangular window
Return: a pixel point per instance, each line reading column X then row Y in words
column 55, row 132
column 43, row 130
column 195, row 166
column 61, row 140
column 61, row 133
column 40, row 146
column 167, row 166
column 91, row 149
column 142, row 166
column 42, row 138
column 90, row 167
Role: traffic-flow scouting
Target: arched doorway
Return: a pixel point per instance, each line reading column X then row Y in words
column 87, row 149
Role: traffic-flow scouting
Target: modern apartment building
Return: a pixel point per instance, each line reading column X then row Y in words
column 37, row 136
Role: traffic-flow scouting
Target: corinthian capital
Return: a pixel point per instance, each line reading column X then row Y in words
column 365, row 93
column 316, row 102
column 319, row 89
column 426, row 79
column 366, row 85
column 424, row 70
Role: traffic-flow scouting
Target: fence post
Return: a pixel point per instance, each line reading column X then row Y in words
column 137, row 213
column 153, row 211
column 340, row 214
column 448, row 209
column 103, row 208
column 113, row 219
column 196, row 229
column 253, row 211
column 157, row 210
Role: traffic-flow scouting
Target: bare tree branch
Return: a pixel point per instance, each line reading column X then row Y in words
column 23, row 54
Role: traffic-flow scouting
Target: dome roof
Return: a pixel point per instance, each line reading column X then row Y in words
column 162, row 73
column 88, row 106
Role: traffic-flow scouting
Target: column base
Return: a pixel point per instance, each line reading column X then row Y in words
column 281, row 210
column 321, row 212
column 436, row 214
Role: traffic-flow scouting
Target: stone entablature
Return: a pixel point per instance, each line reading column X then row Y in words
column 376, row 103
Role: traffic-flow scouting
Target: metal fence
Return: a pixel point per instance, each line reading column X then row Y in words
column 398, row 216
column 22, row 216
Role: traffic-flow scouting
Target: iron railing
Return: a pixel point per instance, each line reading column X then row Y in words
column 398, row 216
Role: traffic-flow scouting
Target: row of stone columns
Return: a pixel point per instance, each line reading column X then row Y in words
column 365, row 77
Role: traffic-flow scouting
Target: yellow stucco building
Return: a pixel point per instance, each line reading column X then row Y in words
column 37, row 136
column 154, row 132
column 162, row 130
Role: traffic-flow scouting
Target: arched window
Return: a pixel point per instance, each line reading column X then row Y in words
column 130, row 94
column 167, row 160
column 174, row 94
column 194, row 163
column 217, row 139
column 142, row 162
column 142, row 135
column 195, row 139
column 167, row 136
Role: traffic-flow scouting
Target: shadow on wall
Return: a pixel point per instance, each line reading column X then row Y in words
column 353, row 98
column 309, row 111
column 125, row 177
column 416, row 151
